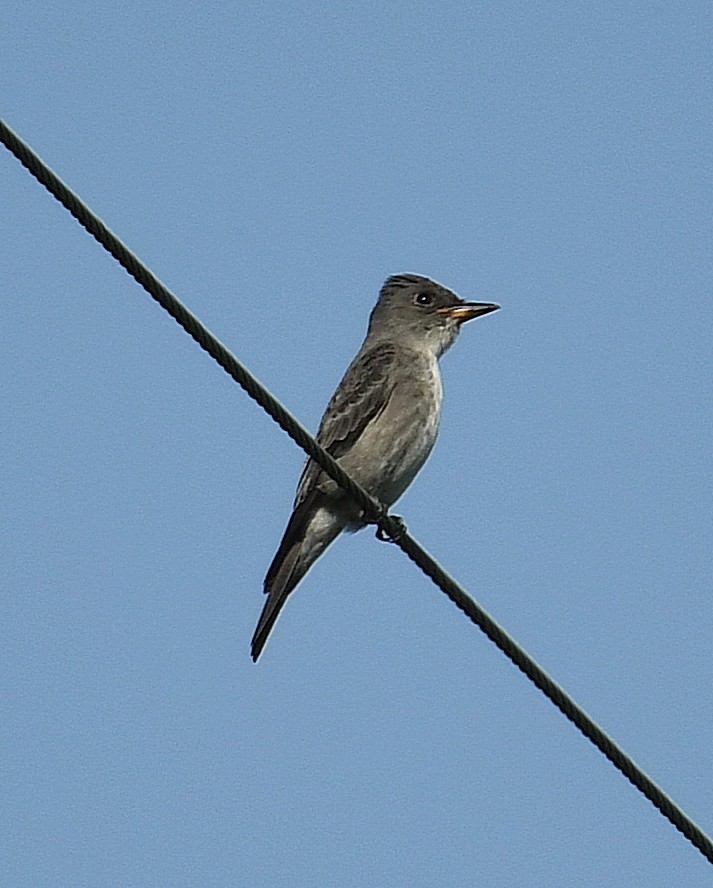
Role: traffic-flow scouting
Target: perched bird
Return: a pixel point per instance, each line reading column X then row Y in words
column 380, row 425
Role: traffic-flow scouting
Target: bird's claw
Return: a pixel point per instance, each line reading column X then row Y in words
column 385, row 537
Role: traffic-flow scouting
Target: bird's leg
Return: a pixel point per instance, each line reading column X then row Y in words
column 386, row 537
column 381, row 517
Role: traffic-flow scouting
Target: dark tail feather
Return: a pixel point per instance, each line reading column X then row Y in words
column 301, row 546
column 282, row 575
column 280, row 581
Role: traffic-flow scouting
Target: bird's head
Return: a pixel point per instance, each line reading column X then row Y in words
column 417, row 311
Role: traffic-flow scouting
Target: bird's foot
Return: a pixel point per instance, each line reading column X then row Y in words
column 401, row 531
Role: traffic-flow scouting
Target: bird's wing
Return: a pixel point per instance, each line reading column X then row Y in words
column 360, row 397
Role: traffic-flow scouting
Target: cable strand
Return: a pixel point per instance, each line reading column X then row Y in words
column 374, row 511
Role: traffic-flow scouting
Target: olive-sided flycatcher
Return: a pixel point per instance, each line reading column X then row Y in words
column 380, row 425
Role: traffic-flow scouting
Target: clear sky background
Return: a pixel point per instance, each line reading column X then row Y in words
column 273, row 163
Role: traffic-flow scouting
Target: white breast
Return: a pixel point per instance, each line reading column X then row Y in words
column 410, row 430
column 394, row 446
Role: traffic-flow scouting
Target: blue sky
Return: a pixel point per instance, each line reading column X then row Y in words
column 273, row 164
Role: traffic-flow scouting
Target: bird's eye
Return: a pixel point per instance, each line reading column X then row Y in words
column 423, row 299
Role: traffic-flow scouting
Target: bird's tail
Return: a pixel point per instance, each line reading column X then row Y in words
column 308, row 534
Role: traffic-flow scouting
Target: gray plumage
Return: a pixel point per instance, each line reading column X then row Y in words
column 381, row 425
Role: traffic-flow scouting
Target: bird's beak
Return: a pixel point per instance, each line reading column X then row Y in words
column 466, row 311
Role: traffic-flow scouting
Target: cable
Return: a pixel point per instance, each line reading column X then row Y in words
column 376, row 513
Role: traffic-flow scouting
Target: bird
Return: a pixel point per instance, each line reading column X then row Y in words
column 380, row 425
